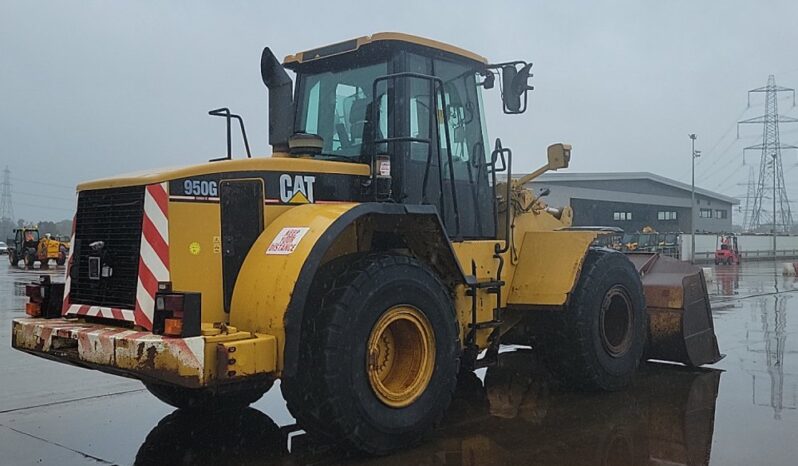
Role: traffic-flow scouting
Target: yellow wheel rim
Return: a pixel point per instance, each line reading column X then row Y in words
column 401, row 356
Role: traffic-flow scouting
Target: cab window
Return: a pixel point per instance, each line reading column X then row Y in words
column 338, row 106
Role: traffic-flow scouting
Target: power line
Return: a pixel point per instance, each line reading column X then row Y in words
column 39, row 206
column 44, row 183
column 717, row 143
column 45, row 196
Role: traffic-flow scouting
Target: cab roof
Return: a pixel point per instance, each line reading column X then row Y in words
column 381, row 38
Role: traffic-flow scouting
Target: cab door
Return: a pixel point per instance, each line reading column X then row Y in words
column 452, row 172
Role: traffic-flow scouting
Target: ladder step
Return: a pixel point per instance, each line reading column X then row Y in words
column 489, row 284
column 486, row 324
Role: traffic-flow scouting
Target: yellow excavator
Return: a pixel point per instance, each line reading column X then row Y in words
column 374, row 256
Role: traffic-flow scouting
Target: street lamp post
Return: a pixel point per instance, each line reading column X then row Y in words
column 693, row 156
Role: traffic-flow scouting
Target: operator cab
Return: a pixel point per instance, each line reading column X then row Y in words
column 410, row 107
column 27, row 238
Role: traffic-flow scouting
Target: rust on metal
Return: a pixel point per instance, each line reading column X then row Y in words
column 680, row 317
column 113, row 349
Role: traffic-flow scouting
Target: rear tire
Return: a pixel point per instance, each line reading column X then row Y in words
column 380, row 355
column 30, row 260
column 206, row 399
column 62, row 257
column 598, row 341
column 12, row 258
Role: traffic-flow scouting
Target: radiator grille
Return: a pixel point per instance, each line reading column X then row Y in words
column 114, row 217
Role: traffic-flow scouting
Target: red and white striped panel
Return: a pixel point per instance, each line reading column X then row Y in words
column 68, row 279
column 153, row 264
column 154, row 260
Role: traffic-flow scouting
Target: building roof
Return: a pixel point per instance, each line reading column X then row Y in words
column 620, row 176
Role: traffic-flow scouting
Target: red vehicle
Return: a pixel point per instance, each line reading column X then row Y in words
column 727, row 251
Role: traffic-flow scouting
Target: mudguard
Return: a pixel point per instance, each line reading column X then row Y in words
column 549, row 264
column 276, row 277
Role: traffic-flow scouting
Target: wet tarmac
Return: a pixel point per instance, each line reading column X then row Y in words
column 740, row 411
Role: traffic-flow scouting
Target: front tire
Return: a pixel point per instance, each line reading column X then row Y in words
column 206, row 399
column 30, row 260
column 382, row 355
column 597, row 342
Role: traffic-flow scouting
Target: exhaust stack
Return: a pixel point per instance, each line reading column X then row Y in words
column 281, row 102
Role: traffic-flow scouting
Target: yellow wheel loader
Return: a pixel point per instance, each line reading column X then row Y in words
column 381, row 249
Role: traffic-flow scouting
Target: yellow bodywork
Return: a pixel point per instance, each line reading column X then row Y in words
column 540, row 268
column 266, row 282
column 548, row 264
column 49, row 248
column 277, row 162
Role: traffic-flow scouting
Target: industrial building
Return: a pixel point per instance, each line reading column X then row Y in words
column 634, row 200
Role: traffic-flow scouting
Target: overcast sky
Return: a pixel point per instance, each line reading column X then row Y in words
column 95, row 88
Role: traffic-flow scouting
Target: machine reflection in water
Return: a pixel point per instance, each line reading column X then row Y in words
column 727, row 280
column 770, row 382
column 517, row 416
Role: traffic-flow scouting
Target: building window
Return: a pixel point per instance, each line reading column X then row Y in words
column 621, row 216
column 705, row 213
column 666, row 215
column 721, row 213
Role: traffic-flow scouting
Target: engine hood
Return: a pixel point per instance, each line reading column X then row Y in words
column 281, row 164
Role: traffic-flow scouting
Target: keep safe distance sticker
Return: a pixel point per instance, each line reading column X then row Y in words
column 287, row 240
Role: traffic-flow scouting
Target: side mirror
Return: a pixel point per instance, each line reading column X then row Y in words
column 515, row 85
column 544, row 192
column 512, row 101
column 559, row 156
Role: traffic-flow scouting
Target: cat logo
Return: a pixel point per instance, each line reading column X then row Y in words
column 297, row 189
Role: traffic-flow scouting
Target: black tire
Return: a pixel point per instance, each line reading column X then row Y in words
column 299, row 390
column 597, row 342
column 232, row 437
column 62, row 257
column 331, row 396
column 206, row 399
column 12, row 258
column 30, row 260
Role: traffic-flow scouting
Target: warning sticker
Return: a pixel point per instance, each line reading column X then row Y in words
column 287, row 240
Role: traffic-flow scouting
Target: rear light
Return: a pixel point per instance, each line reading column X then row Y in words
column 44, row 298
column 172, row 302
column 34, row 292
column 177, row 314
column 33, row 309
column 173, row 327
